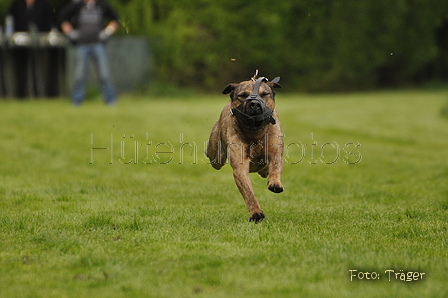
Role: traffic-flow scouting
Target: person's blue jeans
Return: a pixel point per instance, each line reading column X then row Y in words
column 96, row 51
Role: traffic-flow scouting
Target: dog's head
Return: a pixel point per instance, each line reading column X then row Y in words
column 253, row 101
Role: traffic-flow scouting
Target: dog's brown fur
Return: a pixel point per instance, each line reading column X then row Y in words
column 248, row 150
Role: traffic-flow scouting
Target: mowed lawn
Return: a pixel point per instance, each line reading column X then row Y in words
column 120, row 202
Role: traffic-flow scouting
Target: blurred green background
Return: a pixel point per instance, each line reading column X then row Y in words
column 315, row 45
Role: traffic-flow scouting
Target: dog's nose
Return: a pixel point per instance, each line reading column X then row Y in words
column 255, row 105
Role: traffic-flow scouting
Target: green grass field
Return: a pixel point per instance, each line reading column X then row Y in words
column 365, row 182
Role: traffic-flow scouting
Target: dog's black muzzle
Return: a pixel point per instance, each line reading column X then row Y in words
column 260, row 113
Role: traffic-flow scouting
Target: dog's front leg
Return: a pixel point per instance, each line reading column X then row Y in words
column 275, row 171
column 275, row 166
column 244, row 184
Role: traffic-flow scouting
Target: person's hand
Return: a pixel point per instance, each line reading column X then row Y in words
column 104, row 35
column 73, row 35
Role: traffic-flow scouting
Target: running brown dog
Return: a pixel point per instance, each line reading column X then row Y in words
column 248, row 134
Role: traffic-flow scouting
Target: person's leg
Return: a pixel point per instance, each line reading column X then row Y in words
column 80, row 76
column 102, row 68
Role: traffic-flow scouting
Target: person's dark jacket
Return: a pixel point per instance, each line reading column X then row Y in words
column 41, row 14
column 71, row 14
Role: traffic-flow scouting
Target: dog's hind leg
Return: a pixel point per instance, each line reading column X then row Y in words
column 264, row 172
column 216, row 154
column 215, row 150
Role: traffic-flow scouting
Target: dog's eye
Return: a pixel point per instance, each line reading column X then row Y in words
column 265, row 94
column 243, row 95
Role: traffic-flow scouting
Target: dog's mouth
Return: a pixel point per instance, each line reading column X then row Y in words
column 253, row 112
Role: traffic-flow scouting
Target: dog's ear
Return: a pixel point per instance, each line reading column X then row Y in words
column 274, row 83
column 229, row 88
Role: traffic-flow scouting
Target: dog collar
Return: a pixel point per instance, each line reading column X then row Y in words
column 256, row 121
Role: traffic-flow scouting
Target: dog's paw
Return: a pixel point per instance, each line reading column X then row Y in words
column 277, row 188
column 257, row 217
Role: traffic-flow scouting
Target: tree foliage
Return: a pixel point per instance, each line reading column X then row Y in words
column 314, row 45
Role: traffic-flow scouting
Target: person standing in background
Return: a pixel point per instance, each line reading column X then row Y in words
column 29, row 13
column 27, row 16
column 84, row 23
